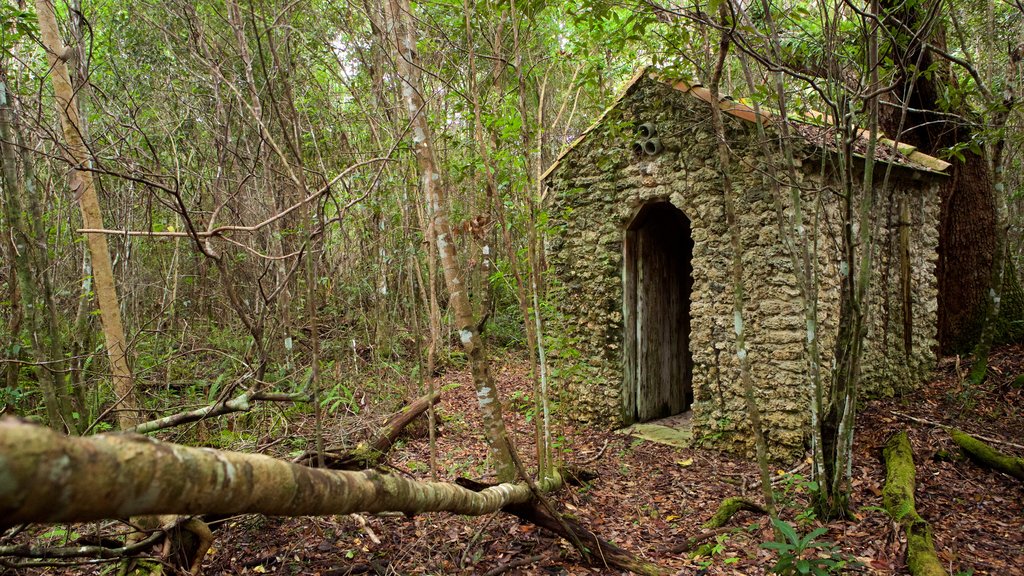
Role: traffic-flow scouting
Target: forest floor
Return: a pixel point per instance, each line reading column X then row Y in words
column 649, row 498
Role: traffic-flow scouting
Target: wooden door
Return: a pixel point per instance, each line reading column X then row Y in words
column 658, row 280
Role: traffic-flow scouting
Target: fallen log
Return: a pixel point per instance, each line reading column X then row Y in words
column 898, row 500
column 986, row 456
column 47, row 477
column 368, row 453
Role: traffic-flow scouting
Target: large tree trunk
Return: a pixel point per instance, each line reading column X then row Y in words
column 52, row 478
column 967, row 216
column 83, row 188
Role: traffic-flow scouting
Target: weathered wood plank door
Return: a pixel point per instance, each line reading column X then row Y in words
column 657, row 282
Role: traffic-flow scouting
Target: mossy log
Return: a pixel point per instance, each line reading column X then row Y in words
column 898, row 500
column 728, row 508
column 987, row 456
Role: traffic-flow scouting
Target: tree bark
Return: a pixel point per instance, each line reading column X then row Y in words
column 83, row 188
column 53, row 478
column 401, row 30
column 967, row 213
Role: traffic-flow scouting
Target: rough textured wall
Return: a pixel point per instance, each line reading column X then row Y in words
column 594, row 193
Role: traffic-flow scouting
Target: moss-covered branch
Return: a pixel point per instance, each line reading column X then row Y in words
column 728, row 508
column 898, row 499
column 987, row 456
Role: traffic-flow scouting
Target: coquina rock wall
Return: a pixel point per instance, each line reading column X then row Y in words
column 599, row 186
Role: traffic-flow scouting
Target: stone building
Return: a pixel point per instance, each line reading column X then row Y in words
column 643, row 324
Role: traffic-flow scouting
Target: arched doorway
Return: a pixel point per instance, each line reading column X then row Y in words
column 658, row 281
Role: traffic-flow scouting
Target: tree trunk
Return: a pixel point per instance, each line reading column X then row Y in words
column 967, row 213
column 83, row 188
column 52, row 478
column 32, row 276
column 402, row 31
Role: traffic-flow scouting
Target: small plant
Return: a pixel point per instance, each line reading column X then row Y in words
column 804, row 555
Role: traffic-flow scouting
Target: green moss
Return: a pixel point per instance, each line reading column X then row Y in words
column 898, row 500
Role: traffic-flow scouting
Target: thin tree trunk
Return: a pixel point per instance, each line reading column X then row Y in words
column 738, row 288
column 402, row 31
column 84, row 189
column 31, row 273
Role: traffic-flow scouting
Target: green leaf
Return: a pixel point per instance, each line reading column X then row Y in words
column 786, row 530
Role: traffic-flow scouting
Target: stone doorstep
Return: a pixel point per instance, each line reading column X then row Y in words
column 674, row 431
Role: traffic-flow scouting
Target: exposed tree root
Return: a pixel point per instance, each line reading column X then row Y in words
column 898, row 499
column 728, row 508
column 986, row 456
column 598, row 551
column 369, row 453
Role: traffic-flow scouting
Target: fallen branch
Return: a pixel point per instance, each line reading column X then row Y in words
column 728, row 508
column 240, row 403
column 987, row 456
column 368, row 454
column 52, row 478
column 29, row 551
column 988, row 439
column 898, row 500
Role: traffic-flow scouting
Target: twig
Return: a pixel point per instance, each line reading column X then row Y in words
column 595, row 457
column 947, row 427
column 514, row 564
column 366, row 528
column 28, row 551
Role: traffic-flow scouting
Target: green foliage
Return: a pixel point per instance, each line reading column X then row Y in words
column 804, row 555
column 340, row 396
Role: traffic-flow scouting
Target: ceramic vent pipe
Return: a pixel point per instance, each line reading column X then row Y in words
column 638, row 147
column 647, row 130
column 652, row 146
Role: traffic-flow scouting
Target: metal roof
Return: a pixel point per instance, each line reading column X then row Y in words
column 811, row 127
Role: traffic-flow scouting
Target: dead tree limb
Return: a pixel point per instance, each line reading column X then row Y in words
column 986, row 456
column 898, row 500
column 600, row 552
column 240, row 403
column 728, row 508
column 925, row 421
column 29, row 551
column 368, row 453
column 51, row 478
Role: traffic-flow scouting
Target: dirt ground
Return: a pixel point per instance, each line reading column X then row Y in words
column 649, row 498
